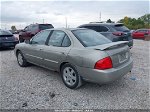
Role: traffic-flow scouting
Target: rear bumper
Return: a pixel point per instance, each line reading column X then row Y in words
column 105, row 76
column 8, row 44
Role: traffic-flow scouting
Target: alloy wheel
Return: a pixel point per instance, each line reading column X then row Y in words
column 69, row 76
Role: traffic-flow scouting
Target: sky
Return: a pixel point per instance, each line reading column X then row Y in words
column 22, row 13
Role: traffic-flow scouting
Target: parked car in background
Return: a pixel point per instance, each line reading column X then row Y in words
column 7, row 39
column 78, row 54
column 31, row 30
column 14, row 32
column 140, row 33
column 113, row 31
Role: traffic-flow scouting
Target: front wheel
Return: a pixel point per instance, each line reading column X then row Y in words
column 21, row 39
column 70, row 76
column 21, row 60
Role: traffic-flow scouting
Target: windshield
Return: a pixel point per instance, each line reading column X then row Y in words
column 90, row 38
column 5, row 33
column 45, row 26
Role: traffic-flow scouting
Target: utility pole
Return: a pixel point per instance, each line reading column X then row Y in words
column 100, row 16
column 43, row 21
column 66, row 22
column 5, row 27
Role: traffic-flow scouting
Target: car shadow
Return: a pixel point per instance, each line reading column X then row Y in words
column 6, row 49
column 86, row 85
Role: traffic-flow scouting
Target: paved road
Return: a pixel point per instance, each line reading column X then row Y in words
column 34, row 87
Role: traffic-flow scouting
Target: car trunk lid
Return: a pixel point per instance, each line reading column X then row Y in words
column 118, row 51
column 6, row 38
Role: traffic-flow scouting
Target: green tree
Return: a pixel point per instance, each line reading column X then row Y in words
column 109, row 21
column 13, row 28
column 133, row 23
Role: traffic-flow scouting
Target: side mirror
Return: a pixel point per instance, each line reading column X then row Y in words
column 27, row 41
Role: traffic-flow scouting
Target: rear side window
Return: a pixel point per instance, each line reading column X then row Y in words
column 90, row 38
column 95, row 28
column 121, row 27
column 66, row 42
column 45, row 26
column 103, row 29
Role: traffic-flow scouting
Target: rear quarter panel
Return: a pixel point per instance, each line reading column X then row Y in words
column 85, row 57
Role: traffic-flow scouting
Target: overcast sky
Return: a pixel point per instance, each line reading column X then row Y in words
column 22, row 13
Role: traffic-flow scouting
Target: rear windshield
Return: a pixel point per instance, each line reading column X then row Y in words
column 90, row 38
column 45, row 26
column 121, row 27
column 5, row 33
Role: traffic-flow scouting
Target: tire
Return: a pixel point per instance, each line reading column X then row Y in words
column 70, row 76
column 32, row 35
column 21, row 60
column 21, row 39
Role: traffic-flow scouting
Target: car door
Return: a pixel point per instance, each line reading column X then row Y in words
column 35, row 49
column 57, row 50
column 24, row 34
column 28, row 33
column 139, row 34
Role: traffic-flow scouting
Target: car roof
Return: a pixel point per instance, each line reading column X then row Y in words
column 69, row 29
column 40, row 24
column 106, row 24
column 143, row 29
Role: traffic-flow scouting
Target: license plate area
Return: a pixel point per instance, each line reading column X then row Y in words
column 123, row 57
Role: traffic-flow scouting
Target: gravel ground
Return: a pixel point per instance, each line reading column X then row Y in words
column 38, row 88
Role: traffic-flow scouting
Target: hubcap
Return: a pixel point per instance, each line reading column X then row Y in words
column 20, row 59
column 69, row 76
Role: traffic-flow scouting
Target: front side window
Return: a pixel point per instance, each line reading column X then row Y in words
column 57, row 38
column 26, row 28
column 90, row 38
column 142, row 31
column 40, row 38
column 34, row 28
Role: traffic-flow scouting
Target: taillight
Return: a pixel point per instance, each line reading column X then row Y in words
column 105, row 63
column 146, row 33
column 118, row 33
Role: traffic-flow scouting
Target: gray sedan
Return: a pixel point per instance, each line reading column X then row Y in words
column 78, row 54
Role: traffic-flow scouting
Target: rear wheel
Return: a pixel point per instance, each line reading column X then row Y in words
column 21, row 60
column 70, row 76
